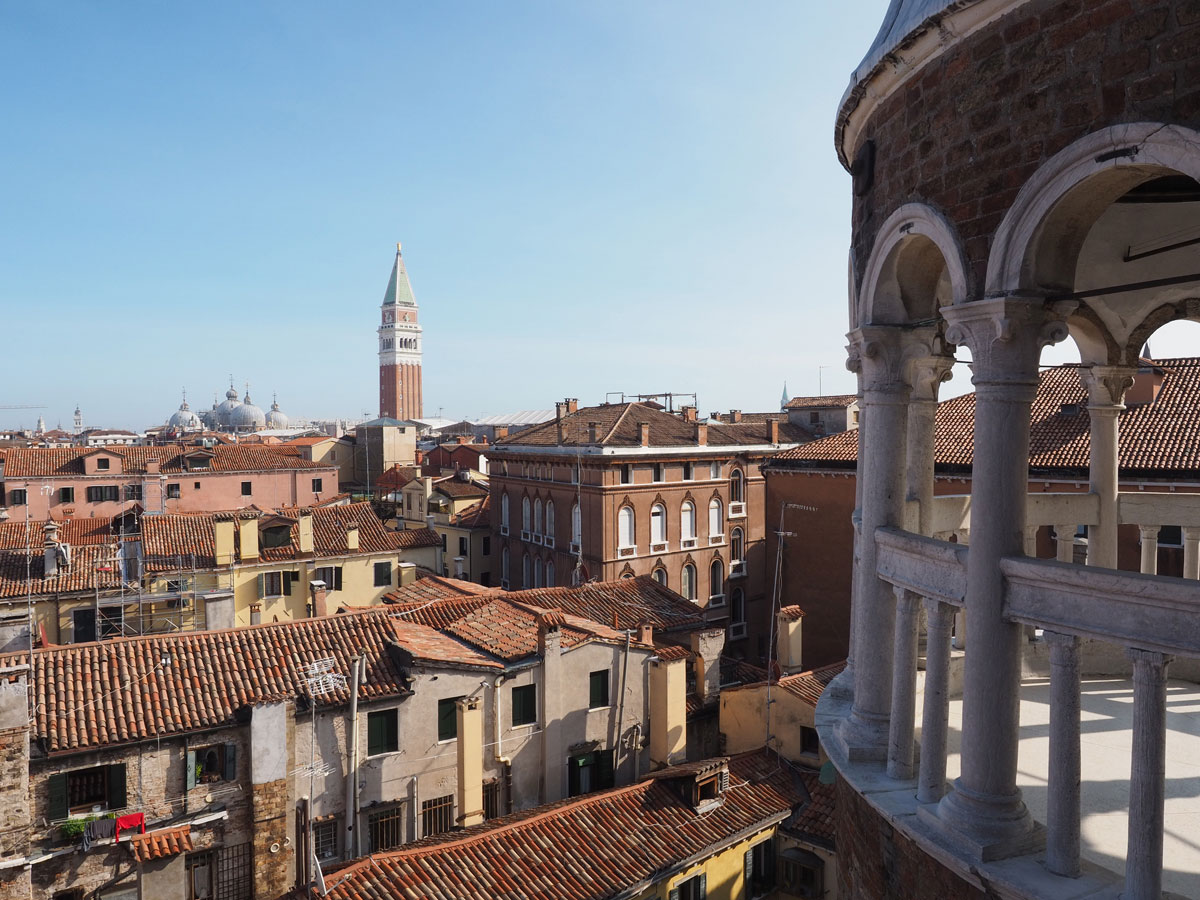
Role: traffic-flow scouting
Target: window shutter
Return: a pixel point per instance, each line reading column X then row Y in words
column 191, row 770
column 116, row 786
column 231, row 762
column 58, row 796
column 262, row 586
column 674, row 894
column 288, row 579
column 604, row 769
column 724, row 780
column 703, row 885
column 749, row 869
column 337, row 578
column 573, row 778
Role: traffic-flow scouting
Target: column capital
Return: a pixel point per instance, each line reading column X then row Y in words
column 1148, row 661
column 1149, row 532
column 881, row 355
column 1106, row 386
column 1005, row 336
column 928, row 374
column 1064, row 648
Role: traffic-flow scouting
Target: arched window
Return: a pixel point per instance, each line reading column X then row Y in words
column 504, row 509
column 716, row 579
column 550, row 573
column 737, row 607
column 626, row 535
column 716, row 519
column 549, row 518
column 658, row 524
column 539, row 574
column 737, row 487
column 526, row 572
column 537, row 516
column 737, row 546
column 504, row 562
column 660, row 575
column 687, row 521
column 576, row 524
column 687, row 584
column 524, row 513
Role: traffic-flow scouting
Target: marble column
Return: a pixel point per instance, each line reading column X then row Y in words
column 985, row 811
column 935, row 712
column 1062, row 805
column 927, row 375
column 1149, row 536
column 1064, row 538
column 1144, row 857
column 1191, row 553
column 880, row 355
column 856, row 521
column 1106, row 387
column 904, row 686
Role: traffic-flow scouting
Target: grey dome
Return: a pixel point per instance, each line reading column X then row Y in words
column 247, row 417
column 275, row 417
column 183, row 418
column 225, row 409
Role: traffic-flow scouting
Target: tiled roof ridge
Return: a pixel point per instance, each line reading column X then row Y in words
column 617, row 424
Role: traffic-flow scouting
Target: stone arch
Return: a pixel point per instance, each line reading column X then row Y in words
column 916, row 265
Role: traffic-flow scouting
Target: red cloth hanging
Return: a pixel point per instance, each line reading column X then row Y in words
column 131, row 821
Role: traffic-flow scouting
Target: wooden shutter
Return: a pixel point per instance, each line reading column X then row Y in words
column 749, row 870
column 190, row 775
column 337, row 578
column 231, row 762
column 116, row 786
column 262, row 585
column 703, row 885
column 674, row 895
column 604, row 768
column 58, row 796
column 289, row 579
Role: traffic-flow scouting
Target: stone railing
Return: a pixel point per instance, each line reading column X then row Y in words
column 1153, row 618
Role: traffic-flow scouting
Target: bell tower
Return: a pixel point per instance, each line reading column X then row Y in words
column 399, row 348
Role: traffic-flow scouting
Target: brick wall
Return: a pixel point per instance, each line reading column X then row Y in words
column 875, row 861
column 14, row 799
column 967, row 132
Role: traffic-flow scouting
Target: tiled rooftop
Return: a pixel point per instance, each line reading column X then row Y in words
column 809, row 686
column 456, row 489
column 477, row 515
column 161, row 843
column 92, row 566
column 828, row 401
column 618, row 839
column 1157, row 438
column 47, row 462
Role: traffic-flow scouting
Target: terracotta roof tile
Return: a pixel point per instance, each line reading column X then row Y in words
column 477, row 515
column 427, row 645
column 161, row 843
column 618, row 838
column 829, row 401
column 92, row 566
column 809, row 686
column 456, row 489
column 45, row 462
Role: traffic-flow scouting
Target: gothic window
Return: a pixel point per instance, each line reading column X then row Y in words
column 626, row 535
column 687, row 520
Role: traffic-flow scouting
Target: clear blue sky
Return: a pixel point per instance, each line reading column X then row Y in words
column 593, row 196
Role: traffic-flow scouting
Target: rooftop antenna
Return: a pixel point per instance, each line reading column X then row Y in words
column 820, row 383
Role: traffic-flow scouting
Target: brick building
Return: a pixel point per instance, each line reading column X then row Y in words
column 399, row 348
column 628, row 489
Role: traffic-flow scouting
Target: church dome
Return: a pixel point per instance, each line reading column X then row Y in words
column 183, row 418
column 275, row 417
column 226, row 408
column 247, row 416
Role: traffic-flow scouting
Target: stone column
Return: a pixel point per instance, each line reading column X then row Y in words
column 856, row 520
column 878, row 354
column 927, row 375
column 1144, row 857
column 1191, row 553
column 985, row 811
column 1062, row 807
column 904, row 687
column 1149, row 536
column 1106, row 387
column 935, row 714
column 1064, row 539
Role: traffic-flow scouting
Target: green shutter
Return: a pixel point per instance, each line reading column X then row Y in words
column 190, row 775
column 58, row 796
column 262, row 586
column 337, row 578
column 116, row 786
column 231, row 762
column 674, row 895
column 447, row 720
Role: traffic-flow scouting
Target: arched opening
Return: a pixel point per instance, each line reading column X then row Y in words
column 626, row 534
column 687, row 582
column 716, row 583
column 658, row 524
column 687, row 521
column 660, row 575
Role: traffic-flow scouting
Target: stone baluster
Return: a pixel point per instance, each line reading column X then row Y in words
column 1106, row 387
column 1064, row 537
column 985, row 810
column 935, row 713
column 881, row 355
column 1191, row 553
column 1062, row 807
column 1144, row 857
column 904, row 686
column 1149, row 536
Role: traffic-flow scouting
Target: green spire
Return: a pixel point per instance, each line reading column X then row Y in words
column 399, row 291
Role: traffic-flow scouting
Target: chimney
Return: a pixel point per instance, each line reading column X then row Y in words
column 460, row 439
column 701, row 434
column 707, row 647
column 50, row 548
column 572, row 404
column 787, row 639
column 223, row 540
column 645, row 631
column 272, row 797
column 644, row 433
column 469, row 715
column 668, row 702
column 716, row 417
column 561, row 409
column 551, row 697
column 305, row 529
column 773, row 431
column 562, row 431
column 458, row 566
column 351, row 535
column 248, row 536
column 689, row 413
column 153, row 466
column 407, row 573
column 317, row 593
column 735, row 416
column 501, row 432
column 592, row 428
column 255, row 613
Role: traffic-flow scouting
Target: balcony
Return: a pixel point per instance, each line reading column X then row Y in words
column 1107, row 735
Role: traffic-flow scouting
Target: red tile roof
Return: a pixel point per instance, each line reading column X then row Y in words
column 436, row 587
column 1157, row 439
column 456, row 489
column 161, row 843
column 829, row 401
column 426, row 645
column 92, row 566
column 477, row 515
column 76, row 532
column 623, row 604
column 49, row 462
column 809, row 686
column 617, row 839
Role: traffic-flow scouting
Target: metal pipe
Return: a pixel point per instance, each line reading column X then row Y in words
column 350, row 848
column 498, row 751
column 1125, row 288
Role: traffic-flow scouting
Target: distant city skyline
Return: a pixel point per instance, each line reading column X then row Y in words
column 592, row 197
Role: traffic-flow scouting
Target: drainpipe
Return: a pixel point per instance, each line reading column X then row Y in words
column 437, row 550
column 350, row 844
column 500, row 757
column 621, row 707
column 637, row 748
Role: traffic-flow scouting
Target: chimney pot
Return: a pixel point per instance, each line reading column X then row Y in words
column 702, row 434
column 592, row 428
column 644, row 433
column 735, row 415
column 773, row 431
